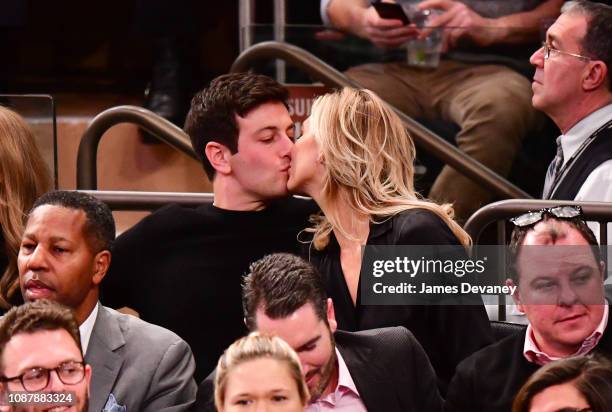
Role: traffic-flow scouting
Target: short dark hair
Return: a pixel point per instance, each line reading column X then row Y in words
column 99, row 226
column 38, row 315
column 597, row 42
column 590, row 375
column 213, row 110
column 519, row 233
column 280, row 284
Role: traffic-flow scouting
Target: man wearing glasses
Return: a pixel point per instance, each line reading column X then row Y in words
column 572, row 85
column 41, row 362
column 64, row 254
column 558, row 269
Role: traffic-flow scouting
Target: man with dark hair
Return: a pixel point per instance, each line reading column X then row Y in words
column 192, row 260
column 572, row 85
column 558, row 269
column 375, row 370
column 35, row 339
column 64, row 256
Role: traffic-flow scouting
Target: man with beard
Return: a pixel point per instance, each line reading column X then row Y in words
column 64, row 255
column 36, row 339
column 375, row 370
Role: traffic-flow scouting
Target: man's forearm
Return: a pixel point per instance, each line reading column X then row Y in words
column 526, row 26
column 347, row 15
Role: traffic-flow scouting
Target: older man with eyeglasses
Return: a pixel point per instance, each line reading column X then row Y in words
column 41, row 361
column 572, row 85
column 559, row 271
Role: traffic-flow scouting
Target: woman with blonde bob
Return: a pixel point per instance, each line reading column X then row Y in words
column 260, row 372
column 355, row 159
column 24, row 176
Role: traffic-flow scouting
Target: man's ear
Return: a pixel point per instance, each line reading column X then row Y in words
column 331, row 315
column 88, row 379
column 219, row 157
column 101, row 263
column 516, row 296
column 596, row 76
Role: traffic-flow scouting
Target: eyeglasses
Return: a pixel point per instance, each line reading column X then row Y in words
column 548, row 48
column 560, row 212
column 37, row 379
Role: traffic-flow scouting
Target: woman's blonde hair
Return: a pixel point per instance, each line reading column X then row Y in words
column 368, row 157
column 257, row 346
column 24, row 176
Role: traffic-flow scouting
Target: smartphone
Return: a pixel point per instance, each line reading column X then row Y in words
column 391, row 11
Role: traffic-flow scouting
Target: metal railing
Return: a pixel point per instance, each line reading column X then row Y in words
column 129, row 200
column 423, row 137
column 500, row 212
column 87, row 164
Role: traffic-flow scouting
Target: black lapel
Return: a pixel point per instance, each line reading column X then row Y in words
column 372, row 383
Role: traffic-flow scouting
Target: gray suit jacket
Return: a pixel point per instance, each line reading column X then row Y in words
column 145, row 367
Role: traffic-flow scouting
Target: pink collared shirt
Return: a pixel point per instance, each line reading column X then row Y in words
column 533, row 354
column 345, row 398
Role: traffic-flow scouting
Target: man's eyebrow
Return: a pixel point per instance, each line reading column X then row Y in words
column 551, row 37
column 266, row 128
column 309, row 343
column 58, row 239
column 542, row 278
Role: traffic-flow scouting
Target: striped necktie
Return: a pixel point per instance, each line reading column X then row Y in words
column 553, row 171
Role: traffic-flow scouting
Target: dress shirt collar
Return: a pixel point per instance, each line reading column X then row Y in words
column 573, row 139
column 346, row 388
column 86, row 328
column 534, row 354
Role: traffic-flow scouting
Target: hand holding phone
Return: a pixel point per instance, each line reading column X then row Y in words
column 391, row 11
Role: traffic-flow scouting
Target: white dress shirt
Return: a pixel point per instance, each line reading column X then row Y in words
column 598, row 185
column 86, row 327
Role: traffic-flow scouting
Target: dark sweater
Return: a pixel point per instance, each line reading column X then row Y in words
column 181, row 268
column 490, row 378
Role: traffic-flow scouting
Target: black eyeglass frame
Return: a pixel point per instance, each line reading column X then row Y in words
column 551, row 211
column 47, row 371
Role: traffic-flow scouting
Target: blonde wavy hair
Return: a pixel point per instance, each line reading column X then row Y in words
column 24, row 176
column 258, row 346
column 368, row 157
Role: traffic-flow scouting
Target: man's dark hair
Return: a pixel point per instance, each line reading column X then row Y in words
column 280, row 284
column 35, row 316
column 99, row 228
column 597, row 42
column 519, row 234
column 212, row 116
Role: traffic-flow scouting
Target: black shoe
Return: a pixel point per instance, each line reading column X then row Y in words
column 165, row 95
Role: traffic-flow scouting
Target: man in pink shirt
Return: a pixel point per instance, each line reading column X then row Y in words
column 375, row 370
column 559, row 272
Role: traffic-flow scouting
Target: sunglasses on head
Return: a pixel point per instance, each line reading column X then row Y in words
column 560, row 212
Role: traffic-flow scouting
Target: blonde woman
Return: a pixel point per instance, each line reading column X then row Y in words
column 260, row 372
column 24, row 176
column 355, row 159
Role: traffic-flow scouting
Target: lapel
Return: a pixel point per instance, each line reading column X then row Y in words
column 104, row 357
column 370, row 381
